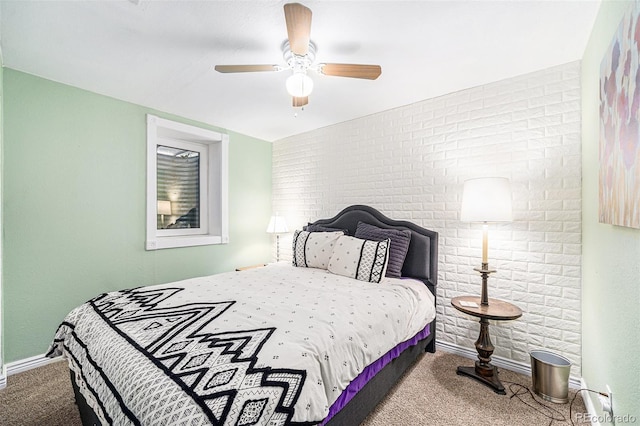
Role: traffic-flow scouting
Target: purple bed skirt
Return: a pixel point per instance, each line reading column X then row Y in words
column 371, row 370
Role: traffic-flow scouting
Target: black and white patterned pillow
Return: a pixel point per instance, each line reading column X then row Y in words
column 364, row 260
column 313, row 249
column 400, row 239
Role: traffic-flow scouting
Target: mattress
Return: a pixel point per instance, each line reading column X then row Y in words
column 272, row 345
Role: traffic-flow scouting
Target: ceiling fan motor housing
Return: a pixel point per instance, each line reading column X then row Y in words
column 298, row 63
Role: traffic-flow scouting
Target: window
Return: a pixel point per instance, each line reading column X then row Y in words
column 187, row 201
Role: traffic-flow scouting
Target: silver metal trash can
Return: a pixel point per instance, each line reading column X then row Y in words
column 550, row 376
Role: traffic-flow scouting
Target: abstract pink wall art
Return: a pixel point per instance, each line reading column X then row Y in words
column 619, row 125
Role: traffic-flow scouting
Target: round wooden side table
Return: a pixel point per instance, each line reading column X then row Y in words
column 497, row 310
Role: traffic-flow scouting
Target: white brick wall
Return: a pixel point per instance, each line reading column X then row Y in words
column 410, row 163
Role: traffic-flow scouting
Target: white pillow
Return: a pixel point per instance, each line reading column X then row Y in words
column 313, row 249
column 364, row 260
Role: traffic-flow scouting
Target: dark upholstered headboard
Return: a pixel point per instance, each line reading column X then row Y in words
column 422, row 258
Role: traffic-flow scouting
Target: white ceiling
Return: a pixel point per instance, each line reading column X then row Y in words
column 161, row 54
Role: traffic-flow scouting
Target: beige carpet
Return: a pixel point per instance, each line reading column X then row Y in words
column 42, row 396
column 430, row 394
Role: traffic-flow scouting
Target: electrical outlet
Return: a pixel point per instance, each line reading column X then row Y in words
column 607, row 401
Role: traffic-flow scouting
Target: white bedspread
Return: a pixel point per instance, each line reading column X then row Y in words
column 270, row 345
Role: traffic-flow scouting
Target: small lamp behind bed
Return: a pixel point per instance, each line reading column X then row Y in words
column 164, row 209
column 277, row 225
column 486, row 200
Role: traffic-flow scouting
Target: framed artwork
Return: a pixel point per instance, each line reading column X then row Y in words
column 619, row 125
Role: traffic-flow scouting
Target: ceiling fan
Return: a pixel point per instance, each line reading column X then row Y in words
column 299, row 53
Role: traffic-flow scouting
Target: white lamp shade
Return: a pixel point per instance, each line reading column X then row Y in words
column 164, row 207
column 277, row 225
column 299, row 85
column 486, row 200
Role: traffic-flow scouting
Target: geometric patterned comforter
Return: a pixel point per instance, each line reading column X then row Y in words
column 267, row 346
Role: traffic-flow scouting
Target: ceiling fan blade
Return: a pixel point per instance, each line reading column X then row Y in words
column 298, row 18
column 300, row 102
column 370, row 72
column 246, row 68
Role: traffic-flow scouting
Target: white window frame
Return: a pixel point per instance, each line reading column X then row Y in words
column 214, row 173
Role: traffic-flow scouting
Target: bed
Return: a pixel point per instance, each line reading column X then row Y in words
column 282, row 344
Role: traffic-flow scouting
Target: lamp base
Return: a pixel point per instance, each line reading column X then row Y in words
column 484, row 271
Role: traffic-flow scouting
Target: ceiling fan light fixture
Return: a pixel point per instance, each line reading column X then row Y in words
column 299, row 85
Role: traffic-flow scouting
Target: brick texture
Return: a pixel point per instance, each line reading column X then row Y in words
column 411, row 162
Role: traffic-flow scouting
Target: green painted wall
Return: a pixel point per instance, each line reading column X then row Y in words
column 74, row 207
column 611, row 254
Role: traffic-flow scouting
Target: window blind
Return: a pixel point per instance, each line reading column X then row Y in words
column 178, row 180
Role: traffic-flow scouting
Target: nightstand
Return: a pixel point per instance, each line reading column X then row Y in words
column 497, row 310
column 244, row 268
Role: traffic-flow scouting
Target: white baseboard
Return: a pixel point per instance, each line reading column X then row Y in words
column 3, row 379
column 508, row 364
column 29, row 363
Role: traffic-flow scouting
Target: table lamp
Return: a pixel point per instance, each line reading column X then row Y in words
column 277, row 225
column 164, row 208
column 486, row 200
